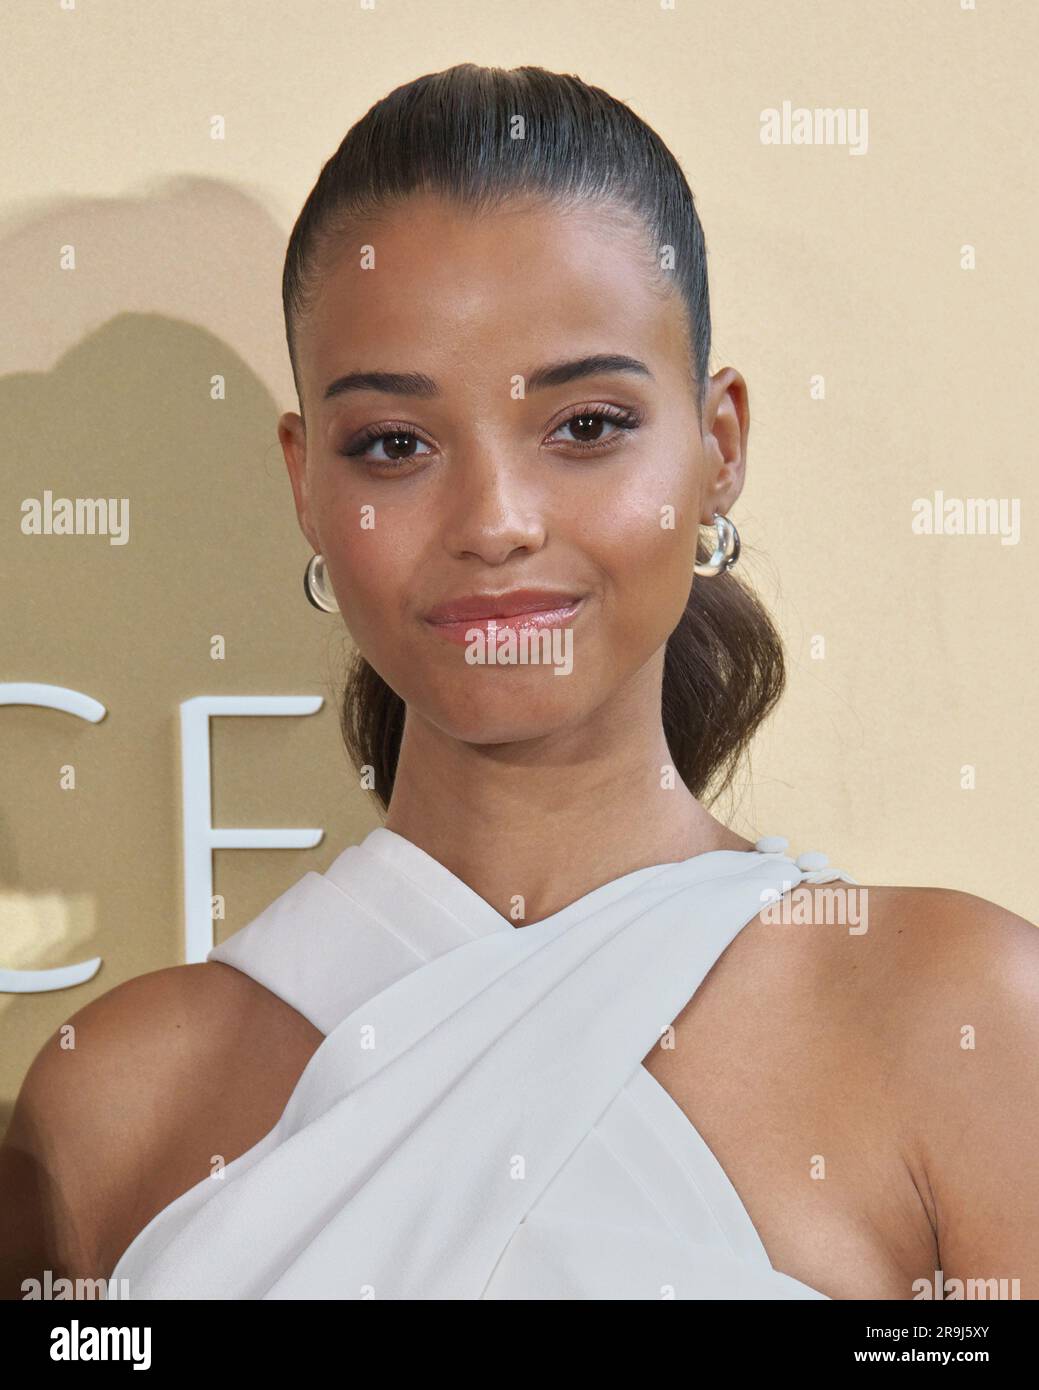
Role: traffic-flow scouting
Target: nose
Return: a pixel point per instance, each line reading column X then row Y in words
column 495, row 510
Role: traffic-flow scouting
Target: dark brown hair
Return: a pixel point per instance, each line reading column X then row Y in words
column 477, row 135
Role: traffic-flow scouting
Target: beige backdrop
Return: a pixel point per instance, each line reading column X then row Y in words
column 822, row 263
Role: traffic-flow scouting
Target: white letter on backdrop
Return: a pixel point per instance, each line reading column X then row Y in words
column 200, row 836
column 83, row 707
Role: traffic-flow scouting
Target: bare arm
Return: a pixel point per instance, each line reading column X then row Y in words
column 972, row 1060
column 57, row 1167
column 167, row 1070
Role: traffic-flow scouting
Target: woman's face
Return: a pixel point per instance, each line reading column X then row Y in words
column 492, row 453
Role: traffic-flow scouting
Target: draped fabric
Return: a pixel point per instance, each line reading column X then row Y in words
column 477, row 1122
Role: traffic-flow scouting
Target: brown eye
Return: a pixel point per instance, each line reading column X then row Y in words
column 398, row 446
column 586, row 428
column 387, row 446
column 598, row 428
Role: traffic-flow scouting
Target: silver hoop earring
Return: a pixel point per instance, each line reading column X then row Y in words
column 726, row 552
column 316, row 585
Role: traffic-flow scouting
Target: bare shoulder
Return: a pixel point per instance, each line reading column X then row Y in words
column 131, row 1097
column 954, row 986
column 908, row 944
column 935, row 957
column 934, row 976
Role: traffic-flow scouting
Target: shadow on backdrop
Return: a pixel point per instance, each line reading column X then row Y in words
column 128, row 406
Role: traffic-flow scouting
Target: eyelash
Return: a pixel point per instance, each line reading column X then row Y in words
column 621, row 416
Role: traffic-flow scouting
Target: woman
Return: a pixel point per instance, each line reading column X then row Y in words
column 549, row 1032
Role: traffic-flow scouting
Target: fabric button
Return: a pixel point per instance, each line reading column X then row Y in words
column 772, row 844
column 812, row 859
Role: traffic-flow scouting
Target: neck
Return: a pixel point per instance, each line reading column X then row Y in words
column 551, row 818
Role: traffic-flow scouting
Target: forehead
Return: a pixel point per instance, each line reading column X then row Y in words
column 431, row 280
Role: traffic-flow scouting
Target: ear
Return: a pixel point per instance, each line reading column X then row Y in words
column 292, row 435
column 726, row 424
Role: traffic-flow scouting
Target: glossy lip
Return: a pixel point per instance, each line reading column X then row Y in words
column 523, row 615
column 513, row 603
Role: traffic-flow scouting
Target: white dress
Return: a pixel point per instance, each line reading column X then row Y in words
column 477, row 1122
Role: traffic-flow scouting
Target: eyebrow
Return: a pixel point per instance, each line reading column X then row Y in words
column 554, row 374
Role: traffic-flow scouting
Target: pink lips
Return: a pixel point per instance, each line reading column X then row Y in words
column 517, row 609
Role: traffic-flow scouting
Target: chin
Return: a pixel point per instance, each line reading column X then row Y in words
column 504, row 715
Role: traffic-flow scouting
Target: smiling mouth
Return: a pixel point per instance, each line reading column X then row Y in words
column 558, row 615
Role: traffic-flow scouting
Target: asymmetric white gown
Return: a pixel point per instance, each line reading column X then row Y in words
column 477, row 1123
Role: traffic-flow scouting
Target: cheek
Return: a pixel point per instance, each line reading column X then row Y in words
column 643, row 541
column 369, row 573
column 650, row 576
